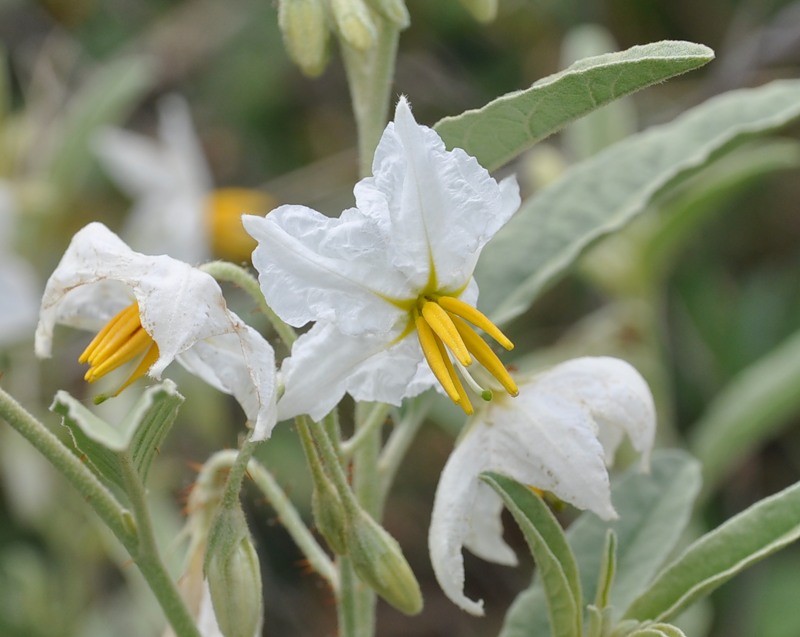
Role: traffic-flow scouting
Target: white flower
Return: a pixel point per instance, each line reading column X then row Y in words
column 19, row 287
column 385, row 275
column 558, row 435
column 162, row 310
column 177, row 211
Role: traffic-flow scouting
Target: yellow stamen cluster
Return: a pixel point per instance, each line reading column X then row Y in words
column 224, row 210
column 121, row 340
column 445, row 324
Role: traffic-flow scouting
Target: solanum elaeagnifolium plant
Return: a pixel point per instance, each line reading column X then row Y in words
column 399, row 304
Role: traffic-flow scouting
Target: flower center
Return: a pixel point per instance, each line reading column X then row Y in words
column 121, row 340
column 224, row 210
column 445, row 326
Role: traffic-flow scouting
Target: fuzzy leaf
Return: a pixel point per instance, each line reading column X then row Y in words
column 653, row 512
column 507, row 126
column 603, row 193
column 554, row 559
column 759, row 531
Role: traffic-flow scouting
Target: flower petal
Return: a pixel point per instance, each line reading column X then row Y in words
column 316, row 268
column 325, row 364
column 169, row 180
column 548, row 437
column 180, row 307
column 443, row 203
column 617, row 397
column 241, row 364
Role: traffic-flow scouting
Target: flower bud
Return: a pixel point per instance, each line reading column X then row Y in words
column 329, row 516
column 305, row 34
column 234, row 580
column 378, row 560
column 393, row 10
column 355, row 24
column 481, row 10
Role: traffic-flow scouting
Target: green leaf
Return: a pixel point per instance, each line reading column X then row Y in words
column 653, row 512
column 555, row 562
column 105, row 98
column 507, row 126
column 658, row 630
column 603, row 193
column 136, row 439
column 608, row 569
column 759, row 531
column 754, row 405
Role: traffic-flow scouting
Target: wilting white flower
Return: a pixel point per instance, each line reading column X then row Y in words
column 389, row 283
column 156, row 309
column 177, row 211
column 558, row 435
column 19, row 287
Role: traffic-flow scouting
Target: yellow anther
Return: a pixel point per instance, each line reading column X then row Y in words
column 463, row 399
column 485, row 356
column 225, row 207
column 476, row 317
column 436, row 358
column 135, row 345
column 141, row 369
column 442, row 325
column 121, row 340
column 118, row 328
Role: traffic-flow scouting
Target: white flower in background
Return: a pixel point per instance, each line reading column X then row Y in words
column 156, row 309
column 389, row 283
column 19, row 286
column 558, row 435
column 176, row 209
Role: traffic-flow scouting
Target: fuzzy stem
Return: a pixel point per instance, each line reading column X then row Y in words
column 232, row 273
column 286, row 511
column 117, row 518
column 148, row 558
column 135, row 533
column 370, row 75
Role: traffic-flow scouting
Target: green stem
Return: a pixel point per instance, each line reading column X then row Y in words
column 399, row 442
column 365, row 460
column 286, row 511
column 374, row 419
column 369, row 75
column 117, row 518
column 232, row 273
column 321, row 453
column 148, row 558
column 348, row 603
column 233, row 485
column 135, row 533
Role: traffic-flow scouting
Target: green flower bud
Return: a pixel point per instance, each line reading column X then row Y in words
column 234, row 580
column 305, row 34
column 393, row 10
column 378, row 560
column 329, row 516
column 481, row 10
column 355, row 24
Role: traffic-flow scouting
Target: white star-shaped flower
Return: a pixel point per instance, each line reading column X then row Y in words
column 156, row 309
column 389, row 283
column 558, row 435
column 177, row 211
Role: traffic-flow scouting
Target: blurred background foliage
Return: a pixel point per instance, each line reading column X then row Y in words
column 724, row 297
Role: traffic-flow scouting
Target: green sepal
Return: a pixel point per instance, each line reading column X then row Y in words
column 136, row 439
